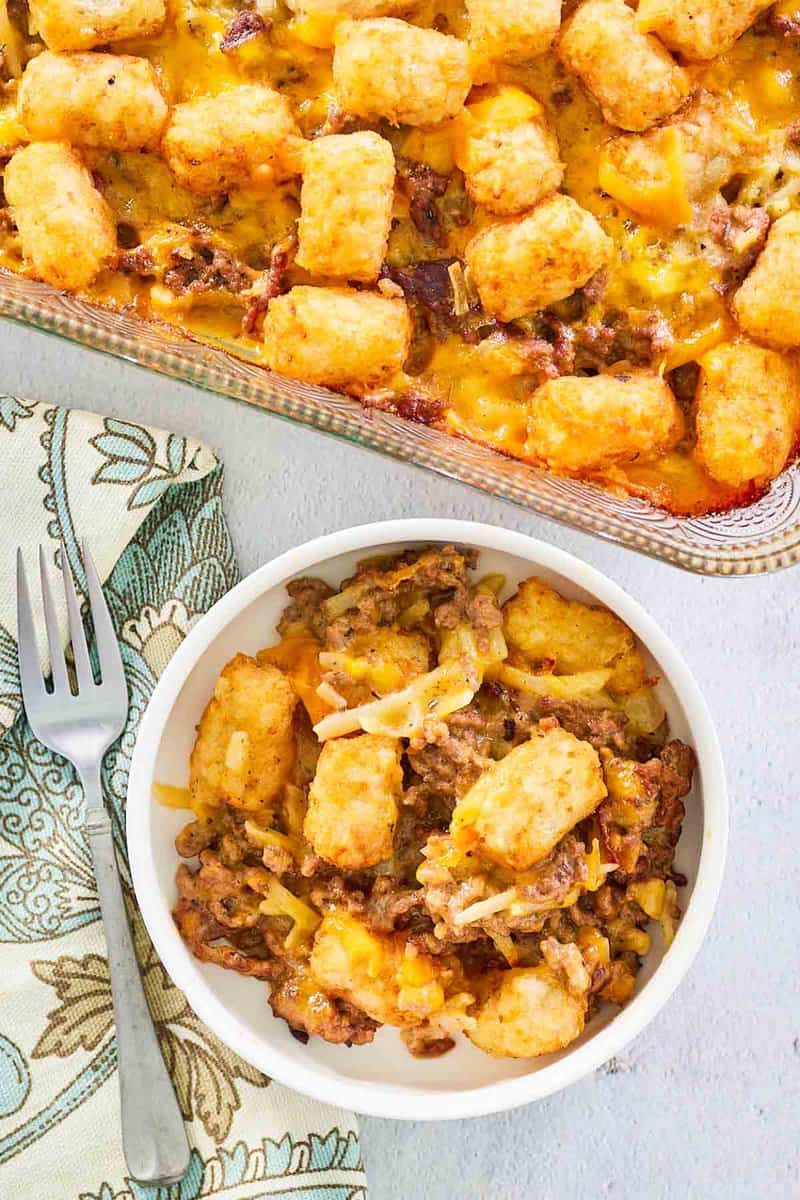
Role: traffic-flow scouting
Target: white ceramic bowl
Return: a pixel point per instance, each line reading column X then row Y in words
column 383, row 1079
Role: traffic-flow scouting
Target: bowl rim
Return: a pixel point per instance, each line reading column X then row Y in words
column 419, row 1103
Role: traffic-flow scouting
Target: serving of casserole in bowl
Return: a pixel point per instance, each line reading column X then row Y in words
column 548, row 249
column 434, row 787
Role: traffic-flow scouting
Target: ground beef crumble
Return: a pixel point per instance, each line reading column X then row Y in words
column 138, row 261
column 785, row 23
column 596, row 725
column 327, row 1017
column 428, row 286
column 204, row 266
column 306, row 596
column 272, row 284
column 243, row 28
column 647, row 848
column 423, row 186
column 415, row 404
column 444, row 771
column 742, row 232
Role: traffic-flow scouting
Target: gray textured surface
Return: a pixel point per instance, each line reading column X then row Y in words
column 705, row 1103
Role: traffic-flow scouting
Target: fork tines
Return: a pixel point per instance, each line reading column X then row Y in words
column 110, row 661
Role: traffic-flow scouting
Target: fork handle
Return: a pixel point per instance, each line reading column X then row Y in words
column 153, row 1133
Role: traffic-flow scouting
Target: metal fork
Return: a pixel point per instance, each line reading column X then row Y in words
column 81, row 727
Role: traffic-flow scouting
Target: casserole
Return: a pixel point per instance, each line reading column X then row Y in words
column 765, row 536
column 392, row 1084
column 458, row 214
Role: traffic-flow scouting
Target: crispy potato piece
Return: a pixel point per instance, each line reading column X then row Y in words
column 748, row 412
column 644, row 710
column 244, row 749
column 645, row 172
column 578, row 424
column 529, row 1011
column 373, row 972
column 661, row 173
column 512, row 31
column 346, row 205
column 507, row 151
column 352, row 804
column 523, row 805
column 403, row 653
column 356, row 10
column 699, row 29
column 542, row 625
column 767, row 305
column 112, row 101
column 511, row 170
column 67, row 230
column 337, row 337
column 334, row 11
column 316, row 21
column 82, row 24
column 405, row 74
column 243, row 137
column 522, row 266
column 298, row 999
column 603, row 46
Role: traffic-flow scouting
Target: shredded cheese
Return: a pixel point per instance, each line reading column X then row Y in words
column 280, row 902
column 485, row 908
column 169, row 796
column 328, row 694
column 435, row 694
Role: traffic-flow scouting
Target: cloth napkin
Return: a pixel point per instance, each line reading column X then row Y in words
column 150, row 506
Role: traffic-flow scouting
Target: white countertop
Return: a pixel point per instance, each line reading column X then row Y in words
column 705, row 1103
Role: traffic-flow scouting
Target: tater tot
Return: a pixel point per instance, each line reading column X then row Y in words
column 245, row 747
column 529, row 1011
column 767, row 305
column 67, row 230
column 373, row 972
column 352, row 803
column 356, row 10
column 405, row 74
column 245, row 136
column 587, row 424
column 507, row 151
column 385, row 659
column 748, row 412
column 524, row 804
column 543, row 625
column 662, row 173
column 316, row 21
column 82, row 24
column 699, row 29
column 346, row 205
column 632, row 77
column 105, row 100
column 336, row 337
column 512, row 31
column 522, row 266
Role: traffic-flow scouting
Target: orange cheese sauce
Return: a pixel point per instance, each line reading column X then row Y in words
column 658, row 270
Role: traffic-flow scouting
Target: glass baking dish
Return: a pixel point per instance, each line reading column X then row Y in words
column 747, row 541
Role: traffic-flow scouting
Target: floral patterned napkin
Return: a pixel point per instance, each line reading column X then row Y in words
column 150, row 505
